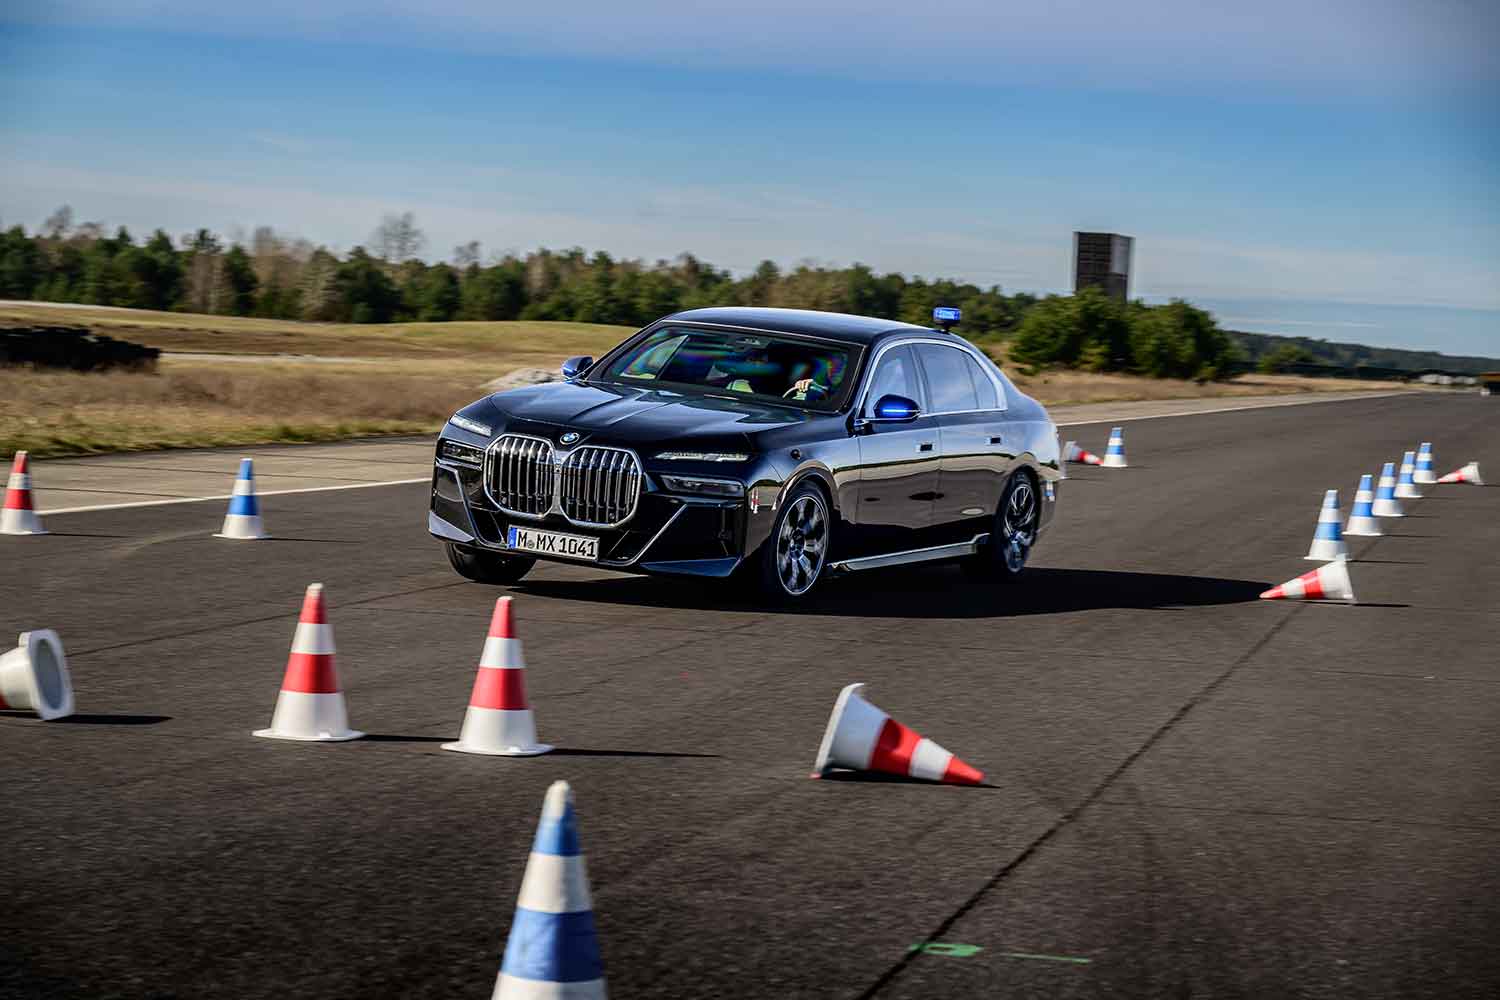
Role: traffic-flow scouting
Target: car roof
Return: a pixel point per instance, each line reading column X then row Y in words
column 807, row 322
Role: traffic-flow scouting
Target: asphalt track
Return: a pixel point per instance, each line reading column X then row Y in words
column 1191, row 792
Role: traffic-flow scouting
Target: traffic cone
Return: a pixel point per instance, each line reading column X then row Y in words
column 498, row 721
column 1405, row 489
column 1468, row 474
column 1329, row 582
column 1073, row 453
column 243, row 520
column 311, row 703
column 1386, row 504
column 34, row 676
column 1328, row 540
column 1423, row 475
column 552, row 952
column 19, row 516
column 860, row 737
column 1114, row 455
column 1362, row 520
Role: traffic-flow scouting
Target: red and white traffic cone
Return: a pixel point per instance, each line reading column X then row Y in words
column 498, row 721
column 1468, row 474
column 1073, row 453
column 860, row 737
column 19, row 516
column 1326, row 583
column 311, row 704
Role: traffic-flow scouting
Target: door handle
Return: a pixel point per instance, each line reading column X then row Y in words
column 996, row 439
column 925, row 446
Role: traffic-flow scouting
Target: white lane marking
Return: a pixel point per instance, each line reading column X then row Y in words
column 1234, row 409
column 226, row 496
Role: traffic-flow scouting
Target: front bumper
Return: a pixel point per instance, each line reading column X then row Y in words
column 691, row 536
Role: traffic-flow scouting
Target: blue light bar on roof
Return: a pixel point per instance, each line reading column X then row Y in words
column 946, row 315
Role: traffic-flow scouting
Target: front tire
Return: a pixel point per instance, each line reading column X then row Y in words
column 793, row 558
column 488, row 567
column 1003, row 558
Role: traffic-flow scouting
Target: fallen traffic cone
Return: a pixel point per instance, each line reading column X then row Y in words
column 861, row 737
column 1073, row 453
column 1423, row 474
column 498, row 721
column 243, row 520
column 1386, row 504
column 1362, row 520
column 1405, row 489
column 19, row 517
column 34, row 676
column 1468, row 474
column 1328, row 540
column 311, row 703
column 552, row 952
column 1329, row 582
column 1114, row 454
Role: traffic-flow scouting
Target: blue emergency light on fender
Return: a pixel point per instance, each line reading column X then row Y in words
column 946, row 316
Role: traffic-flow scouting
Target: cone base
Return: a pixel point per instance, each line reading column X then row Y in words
column 824, row 763
column 459, row 746
column 241, row 538
column 1323, row 558
column 271, row 734
column 39, row 531
column 1113, row 465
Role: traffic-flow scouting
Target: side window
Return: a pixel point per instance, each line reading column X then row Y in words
column 895, row 374
column 984, row 386
column 948, row 378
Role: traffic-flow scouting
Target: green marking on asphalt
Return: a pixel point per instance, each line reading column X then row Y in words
column 1046, row 958
column 946, row 948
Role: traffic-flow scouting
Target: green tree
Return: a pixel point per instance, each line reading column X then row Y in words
column 437, row 294
column 365, row 293
column 240, row 282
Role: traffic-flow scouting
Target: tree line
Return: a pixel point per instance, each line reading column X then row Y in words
column 275, row 276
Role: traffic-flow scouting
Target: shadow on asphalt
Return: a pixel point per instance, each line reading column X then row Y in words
column 95, row 720
column 934, row 592
column 881, row 778
column 581, row 752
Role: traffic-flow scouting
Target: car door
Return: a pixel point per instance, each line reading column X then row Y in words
column 899, row 462
column 978, row 453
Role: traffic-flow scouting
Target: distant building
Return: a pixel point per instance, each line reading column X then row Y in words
column 1102, row 260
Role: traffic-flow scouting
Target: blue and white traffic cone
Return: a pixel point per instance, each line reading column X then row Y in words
column 1386, row 504
column 243, row 520
column 1328, row 540
column 1424, row 476
column 553, row 951
column 1405, row 488
column 1114, row 455
column 1362, row 519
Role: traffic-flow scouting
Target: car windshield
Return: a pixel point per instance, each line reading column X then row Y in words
column 804, row 373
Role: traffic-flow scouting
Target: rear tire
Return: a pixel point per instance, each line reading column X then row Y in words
column 488, row 567
column 1013, row 534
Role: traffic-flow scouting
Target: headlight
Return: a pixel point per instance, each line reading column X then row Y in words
column 472, row 426
column 704, row 487
column 703, row 456
column 465, row 454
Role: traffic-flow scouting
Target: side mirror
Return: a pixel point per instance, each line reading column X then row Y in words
column 895, row 409
column 572, row 366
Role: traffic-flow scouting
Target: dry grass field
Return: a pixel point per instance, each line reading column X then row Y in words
column 400, row 378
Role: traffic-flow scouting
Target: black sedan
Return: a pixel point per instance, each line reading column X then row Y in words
column 777, row 444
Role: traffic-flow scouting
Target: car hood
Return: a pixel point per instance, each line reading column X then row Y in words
column 628, row 415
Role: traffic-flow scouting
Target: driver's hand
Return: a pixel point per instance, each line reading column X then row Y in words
column 802, row 384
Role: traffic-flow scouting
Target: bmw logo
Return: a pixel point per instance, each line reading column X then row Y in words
column 569, row 437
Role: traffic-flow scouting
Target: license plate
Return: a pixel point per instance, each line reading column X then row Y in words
column 553, row 543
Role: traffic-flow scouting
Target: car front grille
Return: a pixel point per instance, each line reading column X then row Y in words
column 523, row 479
column 599, row 486
column 594, row 485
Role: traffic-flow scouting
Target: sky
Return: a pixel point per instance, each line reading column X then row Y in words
column 1327, row 169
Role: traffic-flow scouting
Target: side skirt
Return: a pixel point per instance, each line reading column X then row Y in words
column 955, row 551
